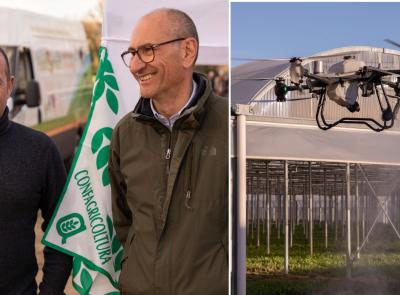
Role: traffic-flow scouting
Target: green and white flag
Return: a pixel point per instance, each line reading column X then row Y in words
column 82, row 223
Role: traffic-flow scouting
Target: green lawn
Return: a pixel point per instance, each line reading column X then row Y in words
column 376, row 272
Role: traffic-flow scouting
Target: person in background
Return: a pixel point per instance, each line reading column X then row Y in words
column 32, row 178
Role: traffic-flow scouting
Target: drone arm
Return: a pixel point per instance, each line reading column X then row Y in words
column 297, row 87
column 324, row 80
column 394, row 85
column 381, row 72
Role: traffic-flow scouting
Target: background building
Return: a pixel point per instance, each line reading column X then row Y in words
column 303, row 194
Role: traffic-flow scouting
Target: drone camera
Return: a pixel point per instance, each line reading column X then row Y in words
column 355, row 107
column 367, row 89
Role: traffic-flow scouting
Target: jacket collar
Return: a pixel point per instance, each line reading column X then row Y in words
column 191, row 117
column 4, row 122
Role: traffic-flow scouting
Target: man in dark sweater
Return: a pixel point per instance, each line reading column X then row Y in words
column 32, row 177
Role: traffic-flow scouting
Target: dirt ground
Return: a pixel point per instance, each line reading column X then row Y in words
column 69, row 290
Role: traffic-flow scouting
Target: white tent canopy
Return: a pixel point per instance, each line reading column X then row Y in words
column 210, row 17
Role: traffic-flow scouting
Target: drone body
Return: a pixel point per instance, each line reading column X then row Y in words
column 345, row 94
column 343, row 83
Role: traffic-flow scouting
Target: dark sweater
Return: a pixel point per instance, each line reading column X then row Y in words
column 32, row 177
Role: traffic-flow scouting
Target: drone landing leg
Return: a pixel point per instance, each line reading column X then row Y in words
column 387, row 113
column 320, row 118
column 324, row 125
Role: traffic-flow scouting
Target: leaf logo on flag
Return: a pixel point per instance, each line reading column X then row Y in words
column 106, row 80
column 70, row 225
column 102, row 155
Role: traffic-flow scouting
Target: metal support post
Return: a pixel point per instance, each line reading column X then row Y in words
column 257, row 207
column 311, row 209
column 286, row 217
column 325, row 211
column 357, row 214
column 336, row 211
column 268, row 211
column 241, row 218
column 348, row 208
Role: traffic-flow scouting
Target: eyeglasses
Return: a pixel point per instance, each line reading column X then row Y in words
column 145, row 52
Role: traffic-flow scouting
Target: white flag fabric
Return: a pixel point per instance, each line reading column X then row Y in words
column 82, row 223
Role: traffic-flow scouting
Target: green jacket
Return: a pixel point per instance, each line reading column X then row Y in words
column 170, row 198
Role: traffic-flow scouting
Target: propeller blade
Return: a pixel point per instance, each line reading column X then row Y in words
column 392, row 42
column 305, row 58
column 323, row 56
column 273, row 100
column 254, row 79
column 315, row 57
column 260, row 59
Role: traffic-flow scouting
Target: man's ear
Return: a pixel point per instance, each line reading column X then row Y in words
column 10, row 85
column 190, row 48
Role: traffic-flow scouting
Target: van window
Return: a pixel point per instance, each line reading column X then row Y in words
column 23, row 75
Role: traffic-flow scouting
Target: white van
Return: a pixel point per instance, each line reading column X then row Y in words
column 51, row 62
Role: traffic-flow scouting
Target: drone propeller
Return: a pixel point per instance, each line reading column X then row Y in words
column 260, row 59
column 291, row 59
column 323, row 56
column 392, row 42
column 286, row 100
column 254, row 79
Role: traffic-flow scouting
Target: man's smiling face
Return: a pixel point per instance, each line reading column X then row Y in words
column 164, row 73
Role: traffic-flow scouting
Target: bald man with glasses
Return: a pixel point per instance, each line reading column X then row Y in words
column 169, row 167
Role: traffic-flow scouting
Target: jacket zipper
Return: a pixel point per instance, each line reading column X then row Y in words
column 168, row 153
column 188, row 179
column 187, row 200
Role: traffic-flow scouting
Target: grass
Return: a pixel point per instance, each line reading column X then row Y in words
column 376, row 272
column 280, row 286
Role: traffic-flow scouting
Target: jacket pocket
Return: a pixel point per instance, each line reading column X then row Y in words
column 124, row 260
column 131, row 237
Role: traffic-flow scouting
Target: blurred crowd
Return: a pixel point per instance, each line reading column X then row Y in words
column 220, row 81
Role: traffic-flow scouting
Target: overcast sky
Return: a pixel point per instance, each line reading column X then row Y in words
column 75, row 9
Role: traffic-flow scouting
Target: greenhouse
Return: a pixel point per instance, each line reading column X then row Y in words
column 312, row 208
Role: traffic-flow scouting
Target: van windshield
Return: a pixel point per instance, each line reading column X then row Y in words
column 10, row 51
